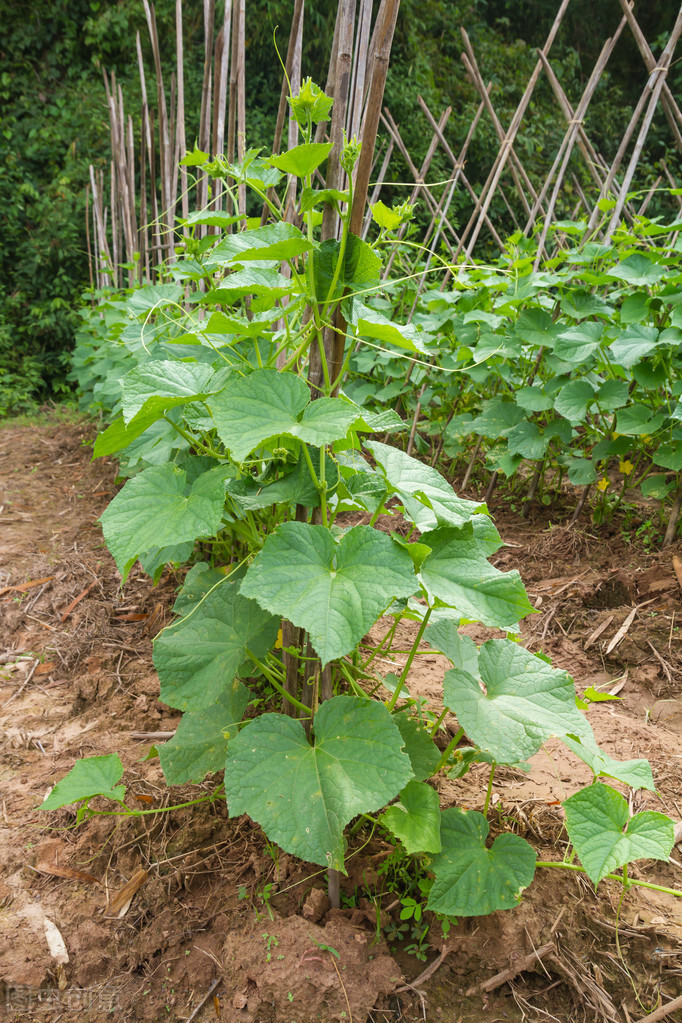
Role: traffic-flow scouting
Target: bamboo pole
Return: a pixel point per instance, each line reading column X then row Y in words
column 357, row 90
column 384, row 30
column 654, row 86
column 180, row 99
column 166, row 215
column 241, row 96
column 670, row 107
column 568, row 142
column 503, row 154
column 340, row 76
column 222, row 90
column 575, row 123
column 518, row 172
column 458, row 162
column 204, row 139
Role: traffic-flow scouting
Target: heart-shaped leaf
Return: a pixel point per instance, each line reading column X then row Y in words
column 336, row 591
column 161, row 384
column 91, row 776
column 472, row 880
column 157, row 508
column 267, row 404
column 526, row 701
column 303, row 796
column 199, row 656
column 606, row 837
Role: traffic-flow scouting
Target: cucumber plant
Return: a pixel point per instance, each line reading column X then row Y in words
column 228, row 443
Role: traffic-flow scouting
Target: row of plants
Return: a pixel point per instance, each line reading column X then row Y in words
column 571, row 372
column 227, row 444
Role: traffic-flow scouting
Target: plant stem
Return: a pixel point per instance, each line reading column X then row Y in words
column 439, row 722
column 611, row 877
column 277, row 685
column 408, row 665
column 448, row 750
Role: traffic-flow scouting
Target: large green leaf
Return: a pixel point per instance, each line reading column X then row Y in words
column 303, row 796
column 118, row 436
column 302, row 160
column 266, row 404
column 606, row 837
column 428, row 498
column 472, row 880
column 154, row 296
column 91, row 776
column 573, row 399
column 371, row 323
column 525, row 701
column 415, row 819
column 633, row 344
column 577, row 344
column 334, row 590
column 639, row 421
column 457, row 573
column 536, row 327
column 199, row 656
column 272, row 242
column 251, row 280
column 498, row 416
column 639, row 270
column 157, row 508
column 161, row 384
column 527, row 440
column 200, row 742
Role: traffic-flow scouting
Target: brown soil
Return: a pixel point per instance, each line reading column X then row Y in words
column 215, row 907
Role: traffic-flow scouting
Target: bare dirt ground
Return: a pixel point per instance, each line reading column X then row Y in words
column 220, row 927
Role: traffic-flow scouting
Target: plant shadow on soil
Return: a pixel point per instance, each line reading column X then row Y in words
column 215, row 904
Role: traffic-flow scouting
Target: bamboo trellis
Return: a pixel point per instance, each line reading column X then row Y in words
column 134, row 206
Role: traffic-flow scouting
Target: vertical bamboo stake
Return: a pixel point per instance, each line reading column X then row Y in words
column 655, row 85
column 357, row 90
column 180, row 115
column 114, row 226
column 143, row 242
column 340, row 75
column 87, row 233
column 670, row 107
column 241, row 97
column 221, row 93
column 205, row 114
column 292, row 127
column 165, row 151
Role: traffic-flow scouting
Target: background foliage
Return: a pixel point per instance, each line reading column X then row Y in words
column 53, row 122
